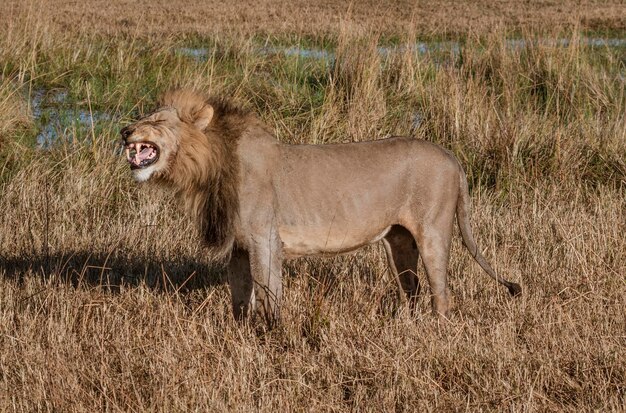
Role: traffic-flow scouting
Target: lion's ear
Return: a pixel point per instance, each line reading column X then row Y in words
column 203, row 117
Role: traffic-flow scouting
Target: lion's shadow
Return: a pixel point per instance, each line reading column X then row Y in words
column 84, row 268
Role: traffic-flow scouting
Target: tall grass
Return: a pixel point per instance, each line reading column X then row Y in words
column 108, row 303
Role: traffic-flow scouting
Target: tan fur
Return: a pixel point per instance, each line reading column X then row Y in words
column 257, row 201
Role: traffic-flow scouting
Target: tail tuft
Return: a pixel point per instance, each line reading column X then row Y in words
column 515, row 289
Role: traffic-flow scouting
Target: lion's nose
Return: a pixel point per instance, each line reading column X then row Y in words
column 126, row 132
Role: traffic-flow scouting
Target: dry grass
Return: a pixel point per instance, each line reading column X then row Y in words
column 90, row 347
column 107, row 303
column 303, row 17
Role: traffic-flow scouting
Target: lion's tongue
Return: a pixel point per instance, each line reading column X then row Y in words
column 144, row 154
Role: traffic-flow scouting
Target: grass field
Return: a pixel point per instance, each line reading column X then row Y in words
column 108, row 302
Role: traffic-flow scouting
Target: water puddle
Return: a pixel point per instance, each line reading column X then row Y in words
column 585, row 41
column 416, row 120
column 67, row 122
column 422, row 48
column 58, row 119
column 196, row 53
column 294, row 51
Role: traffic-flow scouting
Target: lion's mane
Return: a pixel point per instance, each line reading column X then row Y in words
column 205, row 171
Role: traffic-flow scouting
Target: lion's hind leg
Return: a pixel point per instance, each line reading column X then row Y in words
column 402, row 256
column 433, row 243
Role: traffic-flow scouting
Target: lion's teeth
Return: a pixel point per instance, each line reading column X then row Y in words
column 128, row 153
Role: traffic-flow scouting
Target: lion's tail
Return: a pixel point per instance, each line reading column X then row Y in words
column 462, row 217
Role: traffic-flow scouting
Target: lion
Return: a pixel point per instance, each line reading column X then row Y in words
column 257, row 201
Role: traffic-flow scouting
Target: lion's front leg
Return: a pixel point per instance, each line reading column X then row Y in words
column 266, row 269
column 241, row 285
column 256, row 282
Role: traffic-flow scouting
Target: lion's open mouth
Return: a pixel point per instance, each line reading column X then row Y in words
column 141, row 154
